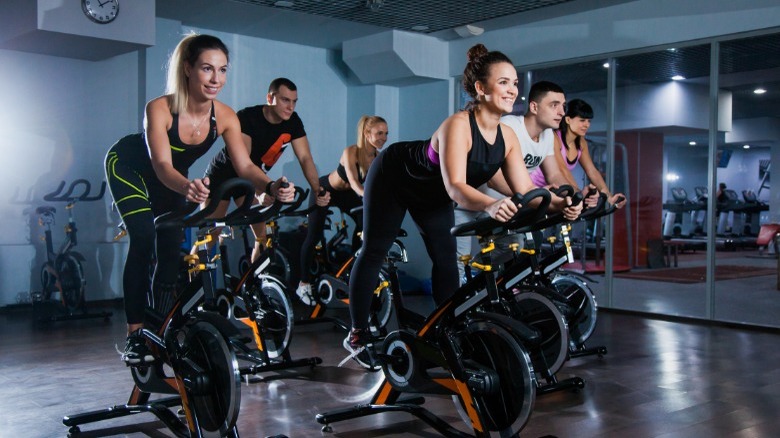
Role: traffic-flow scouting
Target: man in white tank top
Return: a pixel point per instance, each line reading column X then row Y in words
column 546, row 109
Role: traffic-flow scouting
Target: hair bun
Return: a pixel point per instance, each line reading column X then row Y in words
column 476, row 52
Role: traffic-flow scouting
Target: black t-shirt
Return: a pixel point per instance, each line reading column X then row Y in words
column 269, row 140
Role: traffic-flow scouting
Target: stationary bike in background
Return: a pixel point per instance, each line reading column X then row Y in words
column 258, row 300
column 194, row 347
column 330, row 273
column 62, row 275
column 563, row 312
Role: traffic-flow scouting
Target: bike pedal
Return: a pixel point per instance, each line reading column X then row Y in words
column 390, row 359
column 482, row 382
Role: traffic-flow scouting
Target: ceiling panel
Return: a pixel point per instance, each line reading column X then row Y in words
column 425, row 16
column 745, row 64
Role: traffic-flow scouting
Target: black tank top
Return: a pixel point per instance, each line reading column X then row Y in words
column 484, row 159
column 419, row 179
column 342, row 173
column 184, row 155
column 131, row 150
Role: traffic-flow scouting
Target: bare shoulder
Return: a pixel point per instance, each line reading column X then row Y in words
column 457, row 121
column 158, row 113
column 221, row 109
column 159, row 104
column 349, row 154
column 508, row 132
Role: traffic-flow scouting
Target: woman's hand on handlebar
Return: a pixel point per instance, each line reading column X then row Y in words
column 591, row 195
column 323, row 198
column 571, row 212
column 618, row 200
column 502, row 210
column 197, row 190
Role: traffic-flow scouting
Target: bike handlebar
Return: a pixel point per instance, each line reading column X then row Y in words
column 186, row 216
column 525, row 215
column 55, row 196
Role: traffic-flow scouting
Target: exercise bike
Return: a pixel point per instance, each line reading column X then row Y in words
column 193, row 346
column 331, row 276
column 259, row 300
column 469, row 347
column 62, row 275
column 573, row 296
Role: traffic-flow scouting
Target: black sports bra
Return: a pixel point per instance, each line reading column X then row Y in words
column 342, row 173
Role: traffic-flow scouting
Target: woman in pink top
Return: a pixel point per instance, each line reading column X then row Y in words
column 570, row 139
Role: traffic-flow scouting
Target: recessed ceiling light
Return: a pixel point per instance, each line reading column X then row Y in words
column 671, row 49
column 745, row 146
column 759, row 90
column 605, row 65
column 677, row 78
column 692, row 143
column 420, row 28
column 284, row 4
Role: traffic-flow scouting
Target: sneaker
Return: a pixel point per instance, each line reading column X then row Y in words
column 136, row 351
column 358, row 344
column 304, row 293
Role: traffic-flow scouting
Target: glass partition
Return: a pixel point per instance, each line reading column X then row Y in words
column 746, row 271
column 663, row 163
column 661, row 130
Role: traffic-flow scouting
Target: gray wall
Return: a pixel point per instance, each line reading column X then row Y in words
column 60, row 114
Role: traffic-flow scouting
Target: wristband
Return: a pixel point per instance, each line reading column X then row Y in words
column 268, row 189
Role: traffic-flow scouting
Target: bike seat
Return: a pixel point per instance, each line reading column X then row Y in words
column 45, row 209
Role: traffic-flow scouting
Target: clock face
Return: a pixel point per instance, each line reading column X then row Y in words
column 100, row 11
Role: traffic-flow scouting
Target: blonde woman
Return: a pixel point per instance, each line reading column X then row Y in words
column 345, row 185
column 147, row 172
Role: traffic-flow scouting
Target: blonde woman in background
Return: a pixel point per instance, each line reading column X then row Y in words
column 345, row 185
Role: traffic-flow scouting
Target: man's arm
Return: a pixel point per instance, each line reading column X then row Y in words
column 552, row 171
column 303, row 153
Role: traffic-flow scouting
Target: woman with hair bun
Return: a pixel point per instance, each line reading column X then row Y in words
column 425, row 177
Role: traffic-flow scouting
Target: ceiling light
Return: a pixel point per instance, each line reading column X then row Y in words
column 605, row 65
column 469, row 30
column 672, row 177
column 374, row 5
column 692, row 143
column 420, row 28
column 745, row 146
column 677, row 78
column 671, row 49
column 284, row 4
column 759, row 91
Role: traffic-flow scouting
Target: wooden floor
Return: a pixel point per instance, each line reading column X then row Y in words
column 659, row 379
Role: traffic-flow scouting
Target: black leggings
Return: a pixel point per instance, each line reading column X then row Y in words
column 345, row 200
column 384, row 208
column 138, row 204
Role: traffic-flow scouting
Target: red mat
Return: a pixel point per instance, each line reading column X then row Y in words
column 697, row 274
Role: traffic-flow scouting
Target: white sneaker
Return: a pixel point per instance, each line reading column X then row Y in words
column 304, row 293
